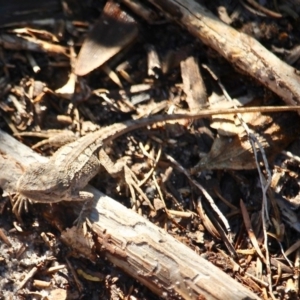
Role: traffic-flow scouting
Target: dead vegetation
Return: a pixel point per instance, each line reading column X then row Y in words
column 225, row 186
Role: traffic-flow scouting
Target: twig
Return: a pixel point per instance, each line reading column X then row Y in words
column 203, row 190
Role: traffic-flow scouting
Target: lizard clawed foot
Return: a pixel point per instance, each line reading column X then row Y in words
column 19, row 203
column 122, row 171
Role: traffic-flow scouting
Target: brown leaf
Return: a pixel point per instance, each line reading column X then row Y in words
column 275, row 132
column 111, row 33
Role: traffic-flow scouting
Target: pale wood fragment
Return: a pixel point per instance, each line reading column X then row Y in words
column 193, row 84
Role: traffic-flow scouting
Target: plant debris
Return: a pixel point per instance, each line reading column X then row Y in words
column 226, row 187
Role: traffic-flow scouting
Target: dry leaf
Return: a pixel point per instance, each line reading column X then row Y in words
column 274, row 131
column 111, row 33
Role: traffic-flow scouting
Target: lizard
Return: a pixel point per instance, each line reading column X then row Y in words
column 72, row 166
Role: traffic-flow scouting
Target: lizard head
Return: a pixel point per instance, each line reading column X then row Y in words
column 41, row 183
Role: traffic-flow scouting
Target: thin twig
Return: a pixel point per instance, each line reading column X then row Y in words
column 265, row 184
column 203, row 190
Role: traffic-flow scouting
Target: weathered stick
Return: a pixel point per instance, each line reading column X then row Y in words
column 141, row 249
column 243, row 51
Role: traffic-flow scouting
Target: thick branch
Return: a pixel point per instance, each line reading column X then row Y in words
column 243, row 51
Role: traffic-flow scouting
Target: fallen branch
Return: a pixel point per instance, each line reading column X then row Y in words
column 243, row 51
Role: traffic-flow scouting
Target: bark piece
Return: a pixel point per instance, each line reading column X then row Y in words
column 193, row 84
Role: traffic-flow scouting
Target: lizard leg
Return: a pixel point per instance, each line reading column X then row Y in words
column 115, row 169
